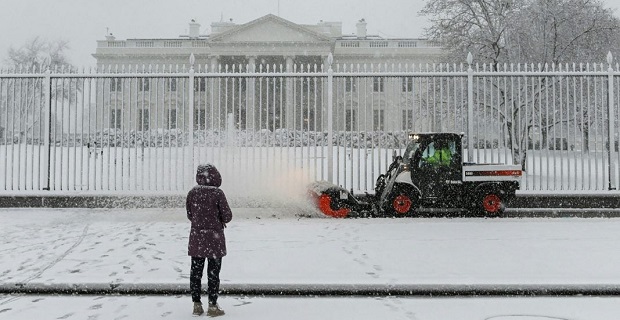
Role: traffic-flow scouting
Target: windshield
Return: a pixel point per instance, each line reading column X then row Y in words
column 411, row 149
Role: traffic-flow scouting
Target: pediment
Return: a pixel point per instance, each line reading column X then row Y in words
column 272, row 29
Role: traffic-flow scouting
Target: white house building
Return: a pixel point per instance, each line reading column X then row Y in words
column 262, row 45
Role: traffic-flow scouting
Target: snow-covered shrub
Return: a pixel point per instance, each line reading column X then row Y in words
column 236, row 138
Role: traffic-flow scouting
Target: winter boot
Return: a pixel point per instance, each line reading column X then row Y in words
column 214, row 310
column 198, row 309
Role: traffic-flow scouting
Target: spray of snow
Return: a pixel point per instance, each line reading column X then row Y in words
column 280, row 186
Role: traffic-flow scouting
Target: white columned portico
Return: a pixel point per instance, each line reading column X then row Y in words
column 327, row 62
column 213, row 63
column 252, row 122
column 212, row 86
column 289, row 94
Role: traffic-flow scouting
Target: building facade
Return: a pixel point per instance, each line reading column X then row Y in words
column 265, row 45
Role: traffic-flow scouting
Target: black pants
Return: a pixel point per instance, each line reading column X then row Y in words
column 214, row 265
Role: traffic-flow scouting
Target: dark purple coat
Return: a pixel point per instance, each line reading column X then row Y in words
column 209, row 212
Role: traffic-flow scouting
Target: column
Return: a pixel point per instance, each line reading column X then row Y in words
column 289, row 103
column 327, row 63
column 213, row 103
column 251, row 106
column 213, row 63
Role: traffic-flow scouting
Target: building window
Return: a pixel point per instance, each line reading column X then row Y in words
column 116, row 84
column 172, row 119
column 144, row 84
column 200, row 119
column 378, row 120
column 144, row 119
column 200, row 84
column 171, row 84
column 407, row 119
column 116, row 117
column 349, row 85
column 407, row 84
column 377, row 85
column 350, row 120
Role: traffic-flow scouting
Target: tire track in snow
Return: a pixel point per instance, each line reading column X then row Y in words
column 62, row 256
column 9, row 299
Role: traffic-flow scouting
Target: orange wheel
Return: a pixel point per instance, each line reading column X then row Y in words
column 491, row 203
column 402, row 204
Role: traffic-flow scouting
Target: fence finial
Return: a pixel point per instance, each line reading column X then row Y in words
column 470, row 58
column 192, row 60
column 610, row 58
column 330, row 59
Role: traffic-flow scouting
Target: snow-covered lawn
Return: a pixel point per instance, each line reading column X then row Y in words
column 249, row 169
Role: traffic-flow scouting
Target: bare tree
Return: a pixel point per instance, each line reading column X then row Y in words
column 39, row 54
column 525, row 31
column 537, row 32
column 22, row 99
column 563, row 31
column 476, row 26
column 557, row 32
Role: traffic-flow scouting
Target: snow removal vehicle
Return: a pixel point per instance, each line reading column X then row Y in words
column 430, row 175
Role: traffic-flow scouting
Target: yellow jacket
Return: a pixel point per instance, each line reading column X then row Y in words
column 441, row 157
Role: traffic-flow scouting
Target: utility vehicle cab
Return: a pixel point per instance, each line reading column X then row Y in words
column 432, row 175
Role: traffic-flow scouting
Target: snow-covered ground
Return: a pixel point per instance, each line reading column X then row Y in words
column 289, row 246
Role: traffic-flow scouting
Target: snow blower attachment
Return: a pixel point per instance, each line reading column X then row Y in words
column 335, row 201
column 430, row 175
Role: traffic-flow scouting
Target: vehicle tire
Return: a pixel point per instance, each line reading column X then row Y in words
column 491, row 204
column 401, row 203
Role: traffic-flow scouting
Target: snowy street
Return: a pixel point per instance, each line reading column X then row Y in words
column 307, row 308
column 281, row 247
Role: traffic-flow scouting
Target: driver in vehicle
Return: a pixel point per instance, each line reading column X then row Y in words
column 442, row 155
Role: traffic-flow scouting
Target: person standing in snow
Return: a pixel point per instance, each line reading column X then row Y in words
column 208, row 210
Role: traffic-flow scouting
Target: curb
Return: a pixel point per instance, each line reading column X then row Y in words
column 447, row 290
column 602, row 200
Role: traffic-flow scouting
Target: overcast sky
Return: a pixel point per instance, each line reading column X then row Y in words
column 83, row 22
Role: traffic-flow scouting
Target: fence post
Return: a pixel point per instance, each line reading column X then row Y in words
column 610, row 125
column 470, row 109
column 330, row 118
column 47, row 83
column 188, row 166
